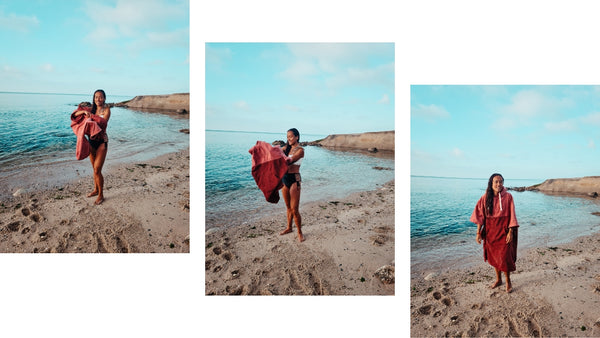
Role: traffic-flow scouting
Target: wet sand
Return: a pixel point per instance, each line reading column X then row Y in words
column 348, row 250
column 146, row 209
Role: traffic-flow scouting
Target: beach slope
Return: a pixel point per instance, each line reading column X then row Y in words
column 556, row 292
column 146, row 209
column 349, row 250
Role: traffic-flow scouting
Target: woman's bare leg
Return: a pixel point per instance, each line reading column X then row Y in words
column 93, row 161
column 294, row 204
column 98, row 164
column 508, row 283
column 286, row 197
column 498, row 279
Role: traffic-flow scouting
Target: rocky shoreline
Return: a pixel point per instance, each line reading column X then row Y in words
column 588, row 186
column 372, row 142
column 172, row 103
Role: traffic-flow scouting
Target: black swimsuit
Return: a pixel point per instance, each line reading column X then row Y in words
column 289, row 179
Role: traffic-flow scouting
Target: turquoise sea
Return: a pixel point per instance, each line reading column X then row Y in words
column 232, row 194
column 442, row 235
column 37, row 145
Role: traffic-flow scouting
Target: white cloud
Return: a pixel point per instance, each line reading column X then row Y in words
column 145, row 23
column 430, row 112
column 591, row 144
column 339, row 64
column 47, row 68
column 241, row 105
column 593, row 118
column 17, row 23
column 216, row 57
column 385, row 99
column 458, row 153
column 561, row 126
column 527, row 105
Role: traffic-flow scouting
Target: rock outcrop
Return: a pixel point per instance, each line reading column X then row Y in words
column 589, row 186
column 176, row 103
column 371, row 141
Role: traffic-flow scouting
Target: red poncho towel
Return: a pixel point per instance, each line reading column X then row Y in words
column 82, row 126
column 496, row 251
column 268, row 167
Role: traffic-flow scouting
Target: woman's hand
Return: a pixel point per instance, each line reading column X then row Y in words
column 478, row 237
column 509, row 236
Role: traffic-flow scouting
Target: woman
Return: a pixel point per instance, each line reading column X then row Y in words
column 497, row 226
column 291, row 182
column 99, row 143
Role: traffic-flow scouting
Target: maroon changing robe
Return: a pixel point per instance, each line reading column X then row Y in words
column 268, row 167
column 496, row 251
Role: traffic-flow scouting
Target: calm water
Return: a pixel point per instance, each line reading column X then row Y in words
column 232, row 193
column 35, row 130
column 441, row 234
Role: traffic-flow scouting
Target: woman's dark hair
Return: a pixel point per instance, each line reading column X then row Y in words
column 489, row 194
column 94, row 107
column 287, row 144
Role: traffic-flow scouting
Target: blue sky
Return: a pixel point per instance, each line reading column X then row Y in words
column 132, row 47
column 521, row 131
column 318, row 88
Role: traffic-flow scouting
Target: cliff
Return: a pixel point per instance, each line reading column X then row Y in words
column 179, row 103
column 589, row 185
column 371, row 141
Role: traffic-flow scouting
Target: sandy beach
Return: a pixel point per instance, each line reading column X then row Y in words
column 349, row 250
column 556, row 292
column 146, row 209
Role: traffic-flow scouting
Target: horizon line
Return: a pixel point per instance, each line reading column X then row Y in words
column 471, row 178
column 7, row 92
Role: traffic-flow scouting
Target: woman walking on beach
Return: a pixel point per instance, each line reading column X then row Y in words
column 291, row 182
column 497, row 226
column 99, row 143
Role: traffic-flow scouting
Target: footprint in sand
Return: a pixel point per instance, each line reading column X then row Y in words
column 425, row 310
column 26, row 212
column 14, row 226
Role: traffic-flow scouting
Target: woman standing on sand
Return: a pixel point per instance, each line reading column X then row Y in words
column 497, row 226
column 98, row 144
column 291, row 182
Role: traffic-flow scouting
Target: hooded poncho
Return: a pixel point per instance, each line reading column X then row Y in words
column 496, row 251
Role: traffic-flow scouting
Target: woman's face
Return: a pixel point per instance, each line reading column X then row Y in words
column 99, row 99
column 497, row 184
column 292, row 139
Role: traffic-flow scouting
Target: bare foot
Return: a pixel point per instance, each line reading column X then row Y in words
column 498, row 282
column 99, row 201
column 300, row 237
column 286, row 231
column 93, row 193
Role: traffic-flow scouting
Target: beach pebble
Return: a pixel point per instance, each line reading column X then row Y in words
column 212, row 231
column 386, row 274
column 19, row 192
column 431, row 276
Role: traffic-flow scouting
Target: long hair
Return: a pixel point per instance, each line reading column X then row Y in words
column 94, row 106
column 489, row 194
column 287, row 144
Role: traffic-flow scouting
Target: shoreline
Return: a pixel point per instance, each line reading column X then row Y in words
column 146, row 209
column 347, row 242
column 556, row 292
